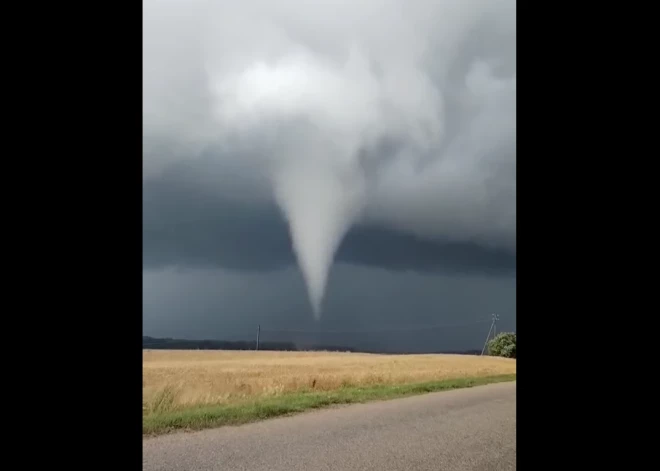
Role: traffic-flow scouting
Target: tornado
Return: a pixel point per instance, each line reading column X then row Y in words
column 312, row 117
column 415, row 97
column 316, row 119
column 320, row 200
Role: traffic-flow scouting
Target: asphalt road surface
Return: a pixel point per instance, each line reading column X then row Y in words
column 464, row 429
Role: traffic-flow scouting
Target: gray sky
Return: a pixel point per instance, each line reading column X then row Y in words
column 382, row 131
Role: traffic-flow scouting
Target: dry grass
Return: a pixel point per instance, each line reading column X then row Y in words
column 180, row 379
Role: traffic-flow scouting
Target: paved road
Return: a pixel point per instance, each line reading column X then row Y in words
column 466, row 429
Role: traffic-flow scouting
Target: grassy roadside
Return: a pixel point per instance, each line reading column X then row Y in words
column 202, row 417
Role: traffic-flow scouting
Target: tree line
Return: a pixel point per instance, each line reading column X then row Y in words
column 155, row 343
column 503, row 345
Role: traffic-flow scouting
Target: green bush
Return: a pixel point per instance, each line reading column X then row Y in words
column 504, row 345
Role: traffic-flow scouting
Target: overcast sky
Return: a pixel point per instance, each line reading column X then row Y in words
column 380, row 133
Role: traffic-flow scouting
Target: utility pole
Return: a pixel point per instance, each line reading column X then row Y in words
column 258, row 332
column 495, row 318
column 493, row 328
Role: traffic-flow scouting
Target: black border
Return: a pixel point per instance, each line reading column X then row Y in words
column 80, row 192
column 565, row 406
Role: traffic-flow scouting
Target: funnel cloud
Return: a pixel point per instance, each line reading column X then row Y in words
column 319, row 205
column 380, row 133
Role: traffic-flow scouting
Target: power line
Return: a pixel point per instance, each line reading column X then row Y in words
column 369, row 331
column 493, row 329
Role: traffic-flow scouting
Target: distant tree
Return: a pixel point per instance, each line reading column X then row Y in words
column 504, row 345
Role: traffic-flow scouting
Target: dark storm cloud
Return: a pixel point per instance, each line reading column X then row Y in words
column 403, row 109
column 435, row 80
column 189, row 225
column 365, row 307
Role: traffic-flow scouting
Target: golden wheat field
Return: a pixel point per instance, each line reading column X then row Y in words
column 185, row 378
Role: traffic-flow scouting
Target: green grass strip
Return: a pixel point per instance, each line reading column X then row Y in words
column 203, row 417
